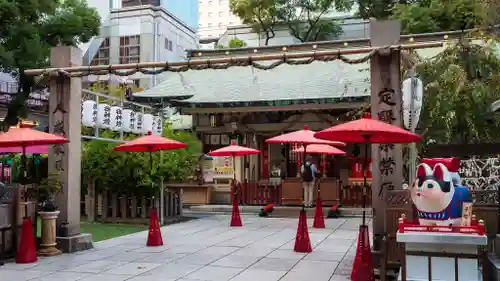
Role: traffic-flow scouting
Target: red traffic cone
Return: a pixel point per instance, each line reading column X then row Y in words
column 154, row 235
column 319, row 219
column 362, row 270
column 235, row 215
column 302, row 242
column 26, row 253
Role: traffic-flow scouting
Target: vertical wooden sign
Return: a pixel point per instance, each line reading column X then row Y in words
column 386, row 99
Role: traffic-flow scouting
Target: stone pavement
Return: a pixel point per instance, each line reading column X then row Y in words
column 207, row 249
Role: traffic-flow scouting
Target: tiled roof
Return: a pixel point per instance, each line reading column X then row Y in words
column 318, row 80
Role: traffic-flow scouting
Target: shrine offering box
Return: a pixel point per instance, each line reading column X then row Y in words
column 439, row 253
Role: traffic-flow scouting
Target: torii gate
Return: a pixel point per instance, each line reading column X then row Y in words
column 384, row 45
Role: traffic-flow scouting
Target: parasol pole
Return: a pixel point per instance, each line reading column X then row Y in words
column 24, row 178
column 162, row 202
column 365, row 171
column 234, row 177
column 303, row 190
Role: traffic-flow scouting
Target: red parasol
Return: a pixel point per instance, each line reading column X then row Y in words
column 24, row 137
column 320, row 149
column 233, row 150
column 304, row 136
column 150, row 143
column 367, row 130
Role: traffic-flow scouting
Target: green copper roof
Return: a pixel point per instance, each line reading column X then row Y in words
column 318, row 80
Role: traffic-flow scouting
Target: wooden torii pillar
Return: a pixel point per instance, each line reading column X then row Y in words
column 386, row 99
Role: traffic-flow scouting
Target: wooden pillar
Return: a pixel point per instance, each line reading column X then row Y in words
column 65, row 120
column 387, row 160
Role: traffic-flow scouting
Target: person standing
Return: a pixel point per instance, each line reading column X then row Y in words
column 308, row 171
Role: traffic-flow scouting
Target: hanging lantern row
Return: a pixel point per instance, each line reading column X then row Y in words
column 116, row 118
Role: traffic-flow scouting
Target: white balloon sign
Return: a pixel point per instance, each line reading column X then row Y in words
column 147, row 123
column 139, row 118
column 157, row 126
column 128, row 120
column 104, row 116
column 408, row 96
column 89, row 113
column 116, row 118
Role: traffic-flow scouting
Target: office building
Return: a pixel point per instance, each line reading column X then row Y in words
column 215, row 17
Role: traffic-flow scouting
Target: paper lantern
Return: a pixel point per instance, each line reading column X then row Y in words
column 139, row 121
column 103, row 116
column 89, row 113
column 418, row 91
column 116, row 118
column 158, row 126
column 128, row 118
column 147, row 123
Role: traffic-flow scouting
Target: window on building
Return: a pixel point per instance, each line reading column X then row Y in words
column 133, row 3
column 210, row 2
column 168, row 44
column 209, row 14
column 102, row 56
column 130, row 49
column 222, row 2
column 221, row 24
column 221, row 14
column 210, row 24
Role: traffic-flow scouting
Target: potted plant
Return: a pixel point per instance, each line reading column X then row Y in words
column 48, row 189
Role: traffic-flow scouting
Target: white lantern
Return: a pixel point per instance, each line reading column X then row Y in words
column 104, row 116
column 89, row 113
column 139, row 117
column 116, row 118
column 158, row 126
column 147, row 123
column 128, row 117
column 417, row 95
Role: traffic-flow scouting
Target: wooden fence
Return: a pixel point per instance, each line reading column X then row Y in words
column 127, row 208
column 255, row 193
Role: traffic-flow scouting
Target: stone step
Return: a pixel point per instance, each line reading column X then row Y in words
column 279, row 211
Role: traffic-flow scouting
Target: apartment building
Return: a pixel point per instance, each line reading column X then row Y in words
column 214, row 18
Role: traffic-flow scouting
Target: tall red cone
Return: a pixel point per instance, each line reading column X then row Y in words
column 319, row 218
column 302, row 241
column 154, row 235
column 235, row 215
column 26, row 252
column 362, row 270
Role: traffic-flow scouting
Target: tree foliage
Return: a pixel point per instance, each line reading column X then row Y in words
column 308, row 19
column 29, row 28
column 233, row 44
column 420, row 16
column 460, row 84
column 131, row 172
column 262, row 15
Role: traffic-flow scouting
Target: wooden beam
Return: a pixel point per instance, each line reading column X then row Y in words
column 341, row 44
column 243, row 61
column 297, row 107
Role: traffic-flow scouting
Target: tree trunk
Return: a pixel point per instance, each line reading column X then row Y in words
column 91, row 209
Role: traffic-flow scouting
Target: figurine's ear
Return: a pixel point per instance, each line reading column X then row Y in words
column 441, row 173
column 424, row 170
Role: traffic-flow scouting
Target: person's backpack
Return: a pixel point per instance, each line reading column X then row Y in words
column 307, row 175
